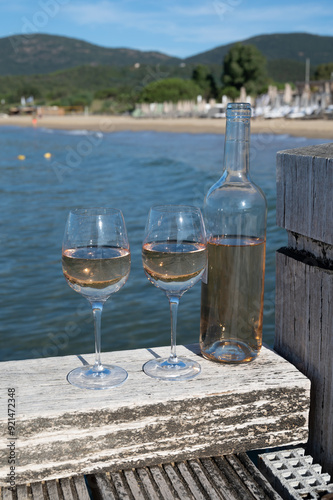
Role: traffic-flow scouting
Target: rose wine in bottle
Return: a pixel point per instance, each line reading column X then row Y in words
column 235, row 213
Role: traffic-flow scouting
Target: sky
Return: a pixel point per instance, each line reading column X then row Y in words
column 176, row 27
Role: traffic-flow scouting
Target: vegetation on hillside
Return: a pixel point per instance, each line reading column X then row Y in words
column 116, row 88
column 41, row 54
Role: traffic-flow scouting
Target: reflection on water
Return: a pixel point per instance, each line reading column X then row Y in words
column 40, row 314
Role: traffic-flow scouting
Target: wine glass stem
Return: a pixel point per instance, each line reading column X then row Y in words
column 174, row 302
column 97, row 308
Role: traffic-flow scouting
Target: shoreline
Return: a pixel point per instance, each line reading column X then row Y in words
column 313, row 129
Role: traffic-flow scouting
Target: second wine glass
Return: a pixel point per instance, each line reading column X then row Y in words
column 174, row 259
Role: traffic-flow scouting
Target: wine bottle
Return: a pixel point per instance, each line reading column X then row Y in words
column 235, row 212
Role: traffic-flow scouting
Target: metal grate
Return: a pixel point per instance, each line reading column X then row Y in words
column 294, row 476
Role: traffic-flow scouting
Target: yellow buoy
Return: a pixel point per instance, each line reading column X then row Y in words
column 21, row 157
column 47, row 155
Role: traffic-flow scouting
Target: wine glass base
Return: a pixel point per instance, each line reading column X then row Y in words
column 86, row 377
column 162, row 369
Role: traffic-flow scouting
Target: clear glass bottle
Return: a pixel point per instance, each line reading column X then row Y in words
column 235, row 212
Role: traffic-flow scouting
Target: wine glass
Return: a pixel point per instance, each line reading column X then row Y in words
column 96, row 263
column 174, row 259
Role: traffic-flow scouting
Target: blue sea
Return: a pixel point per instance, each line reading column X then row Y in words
column 40, row 314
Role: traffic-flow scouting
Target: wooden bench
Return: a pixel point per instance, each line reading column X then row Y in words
column 62, row 430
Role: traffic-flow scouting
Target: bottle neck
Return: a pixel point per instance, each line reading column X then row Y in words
column 237, row 147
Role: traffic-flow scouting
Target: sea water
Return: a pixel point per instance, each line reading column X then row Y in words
column 40, row 314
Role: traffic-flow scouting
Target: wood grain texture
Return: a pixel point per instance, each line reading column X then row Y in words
column 304, row 336
column 63, row 430
column 304, row 191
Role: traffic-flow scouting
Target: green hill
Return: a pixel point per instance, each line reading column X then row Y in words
column 292, row 46
column 32, row 54
column 40, row 54
column 67, row 71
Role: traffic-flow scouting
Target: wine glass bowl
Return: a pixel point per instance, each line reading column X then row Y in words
column 174, row 259
column 174, row 267
column 96, row 272
column 96, row 263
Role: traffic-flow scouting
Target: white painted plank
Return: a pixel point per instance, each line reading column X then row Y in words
column 63, row 430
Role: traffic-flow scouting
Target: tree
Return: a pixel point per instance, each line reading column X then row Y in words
column 324, row 71
column 169, row 89
column 231, row 92
column 244, row 66
column 205, row 80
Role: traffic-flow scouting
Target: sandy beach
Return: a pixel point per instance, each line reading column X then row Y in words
column 318, row 129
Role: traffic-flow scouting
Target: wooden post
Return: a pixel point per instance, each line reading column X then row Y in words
column 304, row 283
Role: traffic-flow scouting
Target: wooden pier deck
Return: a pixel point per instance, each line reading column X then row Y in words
column 230, row 477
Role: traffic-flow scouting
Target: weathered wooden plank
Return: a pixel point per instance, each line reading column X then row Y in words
column 52, row 488
column 305, row 308
column 66, row 489
column 134, row 484
column 304, row 191
column 148, row 483
column 178, row 484
column 255, row 480
column 190, row 481
column 37, row 491
column 80, row 488
column 243, row 481
column 104, row 488
column 63, row 430
column 225, row 490
column 205, row 480
column 163, row 484
column 7, row 494
column 23, row 492
column 120, row 485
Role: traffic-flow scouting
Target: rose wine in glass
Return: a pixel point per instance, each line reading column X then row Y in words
column 174, row 259
column 96, row 263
